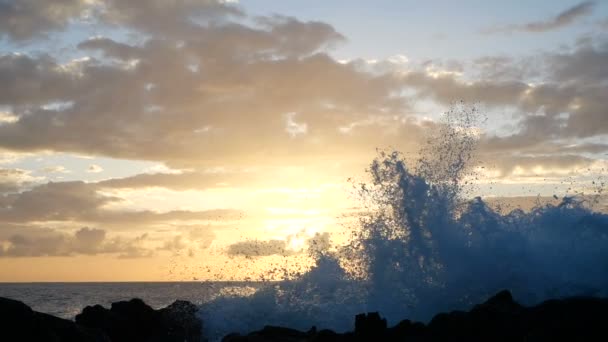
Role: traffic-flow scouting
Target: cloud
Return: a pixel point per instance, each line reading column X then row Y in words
column 257, row 248
column 196, row 240
column 22, row 20
column 342, row 107
column 318, row 243
column 6, row 117
column 165, row 18
column 37, row 241
column 94, row 168
column 111, row 48
column 25, row 241
column 205, row 86
column 52, row 201
column 125, row 104
column 182, row 181
column 567, row 105
column 81, row 202
column 11, row 180
column 27, row 19
column 587, row 64
column 539, row 165
column 33, row 81
column 55, row 169
column 563, row 19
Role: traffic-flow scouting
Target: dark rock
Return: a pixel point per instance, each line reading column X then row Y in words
column 326, row 335
column 181, row 321
column 500, row 318
column 135, row 321
column 272, row 334
column 580, row 319
column 132, row 321
column 368, row 326
column 18, row 322
column 414, row 331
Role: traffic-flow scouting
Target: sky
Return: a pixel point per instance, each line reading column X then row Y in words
column 212, row 140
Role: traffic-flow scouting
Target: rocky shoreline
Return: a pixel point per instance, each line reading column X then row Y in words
column 498, row 319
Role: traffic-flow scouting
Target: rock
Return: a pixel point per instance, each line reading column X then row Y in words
column 135, row 321
column 500, row 318
column 19, row 322
column 368, row 326
column 580, row 319
column 272, row 334
column 132, row 321
column 181, row 321
column 414, row 331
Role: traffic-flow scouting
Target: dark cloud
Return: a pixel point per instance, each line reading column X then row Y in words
column 447, row 89
column 587, row 64
column 34, row 81
column 181, row 181
column 300, row 38
column 538, row 165
column 564, row 18
column 26, row 19
column 231, row 76
column 165, row 18
column 12, row 180
column 26, row 241
column 81, row 202
column 568, row 105
column 111, row 48
column 52, row 201
column 257, row 248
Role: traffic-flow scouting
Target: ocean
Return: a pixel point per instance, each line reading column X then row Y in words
column 66, row 300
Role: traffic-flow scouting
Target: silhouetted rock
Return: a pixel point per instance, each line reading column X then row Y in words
column 274, row 334
column 181, row 321
column 132, row 321
column 135, row 321
column 368, row 326
column 500, row 318
column 18, row 322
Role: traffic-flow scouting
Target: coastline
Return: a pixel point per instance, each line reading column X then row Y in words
column 500, row 318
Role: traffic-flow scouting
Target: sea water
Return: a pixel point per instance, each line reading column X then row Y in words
column 66, row 300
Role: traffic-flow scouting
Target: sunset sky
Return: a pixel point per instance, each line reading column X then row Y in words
column 200, row 139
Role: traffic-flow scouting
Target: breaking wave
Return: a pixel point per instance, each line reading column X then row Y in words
column 422, row 247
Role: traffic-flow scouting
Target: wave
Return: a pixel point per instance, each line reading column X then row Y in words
column 423, row 248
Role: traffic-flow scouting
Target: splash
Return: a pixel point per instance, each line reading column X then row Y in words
column 423, row 246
